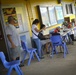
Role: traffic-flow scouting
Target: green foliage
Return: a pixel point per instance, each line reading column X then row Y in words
column 65, row 23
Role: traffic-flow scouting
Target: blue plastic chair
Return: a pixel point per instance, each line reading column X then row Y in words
column 31, row 51
column 10, row 65
column 56, row 40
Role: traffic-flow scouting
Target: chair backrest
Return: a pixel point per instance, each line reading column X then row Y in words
column 23, row 38
column 3, row 59
column 56, row 39
column 24, row 43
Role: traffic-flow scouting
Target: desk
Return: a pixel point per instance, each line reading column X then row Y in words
column 62, row 33
column 67, row 31
column 66, row 34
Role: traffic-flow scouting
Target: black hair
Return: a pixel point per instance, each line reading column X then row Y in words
column 10, row 18
column 42, row 26
column 35, row 21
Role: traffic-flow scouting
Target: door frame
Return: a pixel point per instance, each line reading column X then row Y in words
column 3, row 29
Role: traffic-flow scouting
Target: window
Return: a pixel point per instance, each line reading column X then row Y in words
column 44, row 16
column 47, row 15
column 68, row 8
column 52, row 15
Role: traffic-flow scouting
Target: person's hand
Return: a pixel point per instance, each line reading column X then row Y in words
column 13, row 46
column 42, row 29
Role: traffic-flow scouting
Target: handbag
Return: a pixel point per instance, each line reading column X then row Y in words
column 40, row 36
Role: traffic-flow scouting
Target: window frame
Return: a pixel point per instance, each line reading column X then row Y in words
column 66, row 10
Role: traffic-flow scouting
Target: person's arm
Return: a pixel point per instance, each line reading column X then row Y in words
column 12, row 44
column 47, row 35
column 38, row 30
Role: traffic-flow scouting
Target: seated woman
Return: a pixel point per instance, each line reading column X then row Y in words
column 45, row 41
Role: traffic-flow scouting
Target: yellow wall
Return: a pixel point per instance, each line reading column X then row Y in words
column 72, row 16
column 21, row 8
column 31, row 8
column 34, row 12
column 12, row 1
column 26, row 18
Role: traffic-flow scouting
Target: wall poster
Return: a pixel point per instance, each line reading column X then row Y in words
column 10, row 12
column 20, row 22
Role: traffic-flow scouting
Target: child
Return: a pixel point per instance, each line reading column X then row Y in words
column 45, row 42
column 57, row 30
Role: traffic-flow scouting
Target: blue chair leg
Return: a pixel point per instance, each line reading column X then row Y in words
column 64, row 53
column 52, row 52
column 64, row 47
column 17, row 70
column 9, row 71
column 31, row 54
column 21, row 73
column 55, row 50
column 23, row 58
column 37, row 56
column 67, row 50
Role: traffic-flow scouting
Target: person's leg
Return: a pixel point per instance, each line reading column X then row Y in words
column 39, row 45
column 72, row 37
column 16, row 54
column 13, row 54
column 48, row 47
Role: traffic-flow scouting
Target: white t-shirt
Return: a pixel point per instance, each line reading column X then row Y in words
column 33, row 29
column 11, row 30
column 71, row 31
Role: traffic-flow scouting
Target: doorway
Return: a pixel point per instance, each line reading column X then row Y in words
column 3, row 39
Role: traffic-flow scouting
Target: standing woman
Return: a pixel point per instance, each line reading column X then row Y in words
column 35, row 32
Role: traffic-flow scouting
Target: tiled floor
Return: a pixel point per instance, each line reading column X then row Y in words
column 50, row 66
